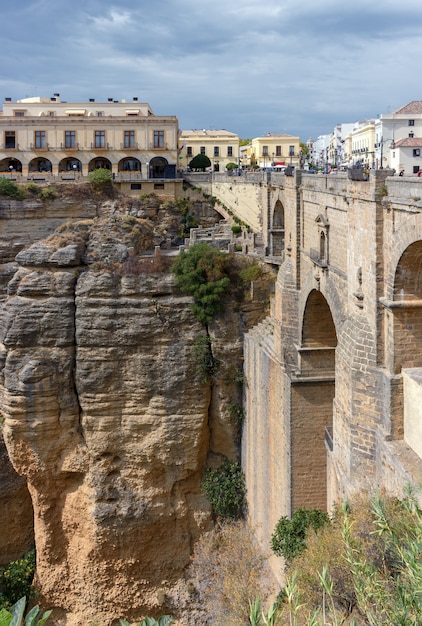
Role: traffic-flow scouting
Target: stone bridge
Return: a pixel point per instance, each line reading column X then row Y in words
column 334, row 375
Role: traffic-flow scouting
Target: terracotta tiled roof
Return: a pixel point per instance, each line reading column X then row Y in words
column 409, row 142
column 413, row 107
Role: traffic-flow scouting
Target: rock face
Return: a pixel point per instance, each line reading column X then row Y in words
column 109, row 422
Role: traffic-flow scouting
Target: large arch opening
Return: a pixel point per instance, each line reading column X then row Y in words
column 40, row 164
column 70, row 164
column 129, row 164
column 159, row 167
column 406, row 389
column 10, row 165
column 277, row 232
column 313, row 392
column 407, row 327
column 99, row 163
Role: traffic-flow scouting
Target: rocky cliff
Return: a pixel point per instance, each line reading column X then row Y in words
column 108, row 420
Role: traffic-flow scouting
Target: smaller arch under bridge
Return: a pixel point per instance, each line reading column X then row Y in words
column 333, row 400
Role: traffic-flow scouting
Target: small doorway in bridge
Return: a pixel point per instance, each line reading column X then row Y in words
column 312, row 399
column 277, row 230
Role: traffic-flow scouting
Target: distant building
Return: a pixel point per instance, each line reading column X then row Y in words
column 398, row 139
column 274, row 150
column 220, row 146
column 46, row 135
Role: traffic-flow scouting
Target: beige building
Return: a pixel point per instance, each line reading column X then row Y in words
column 220, row 146
column 54, row 138
column 275, row 150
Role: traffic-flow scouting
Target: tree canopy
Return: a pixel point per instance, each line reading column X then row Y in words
column 200, row 162
column 201, row 272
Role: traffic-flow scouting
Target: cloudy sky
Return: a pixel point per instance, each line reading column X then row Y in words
column 249, row 66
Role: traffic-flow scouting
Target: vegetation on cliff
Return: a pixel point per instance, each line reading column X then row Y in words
column 363, row 567
column 202, row 272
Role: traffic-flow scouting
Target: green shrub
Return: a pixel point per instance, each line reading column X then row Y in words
column 225, row 489
column 232, row 166
column 206, row 364
column 10, row 189
column 202, row 273
column 48, row 193
column 236, row 229
column 251, row 272
column 288, row 539
column 100, row 178
column 16, row 579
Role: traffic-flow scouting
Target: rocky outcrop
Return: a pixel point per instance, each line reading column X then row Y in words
column 107, row 418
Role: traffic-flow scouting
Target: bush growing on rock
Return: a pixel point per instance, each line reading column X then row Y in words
column 202, row 272
column 16, row 579
column 229, row 571
column 10, row 189
column 365, row 566
column 225, row 489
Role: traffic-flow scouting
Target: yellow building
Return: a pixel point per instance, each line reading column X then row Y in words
column 55, row 138
column 363, row 144
column 220, row 146
column 275, row 150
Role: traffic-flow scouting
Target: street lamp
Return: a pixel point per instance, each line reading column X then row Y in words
column 382, row 142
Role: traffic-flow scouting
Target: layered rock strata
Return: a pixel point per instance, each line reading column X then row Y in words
column 108, row 420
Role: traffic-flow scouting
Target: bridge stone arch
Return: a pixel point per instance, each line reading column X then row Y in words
column 410, row 232
column 312, row 397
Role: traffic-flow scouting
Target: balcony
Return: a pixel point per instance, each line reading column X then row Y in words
column 105, row 146
column 164, row 146
column 40, row 148
column 129, row 147
column 64, row 146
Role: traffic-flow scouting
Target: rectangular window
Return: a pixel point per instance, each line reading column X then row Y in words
column 278, row 150
column 416, row 152
column 189, row 151
column 158, row 139
column 9, row 139
column 291, row 150
column 129, row 139
column 158, row 185
column 70, row 139
column 136, row 185
column 100, row 138
column 51, row 113
column 202, row 150
column 19, row 114
column 411, row 123
column 264, row 150
column 40, row 139
column 216, row 151
column 229, row 151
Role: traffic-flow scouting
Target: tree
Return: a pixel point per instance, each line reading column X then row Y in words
column 100, row 178
column 200, row 162
column 202, row 272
